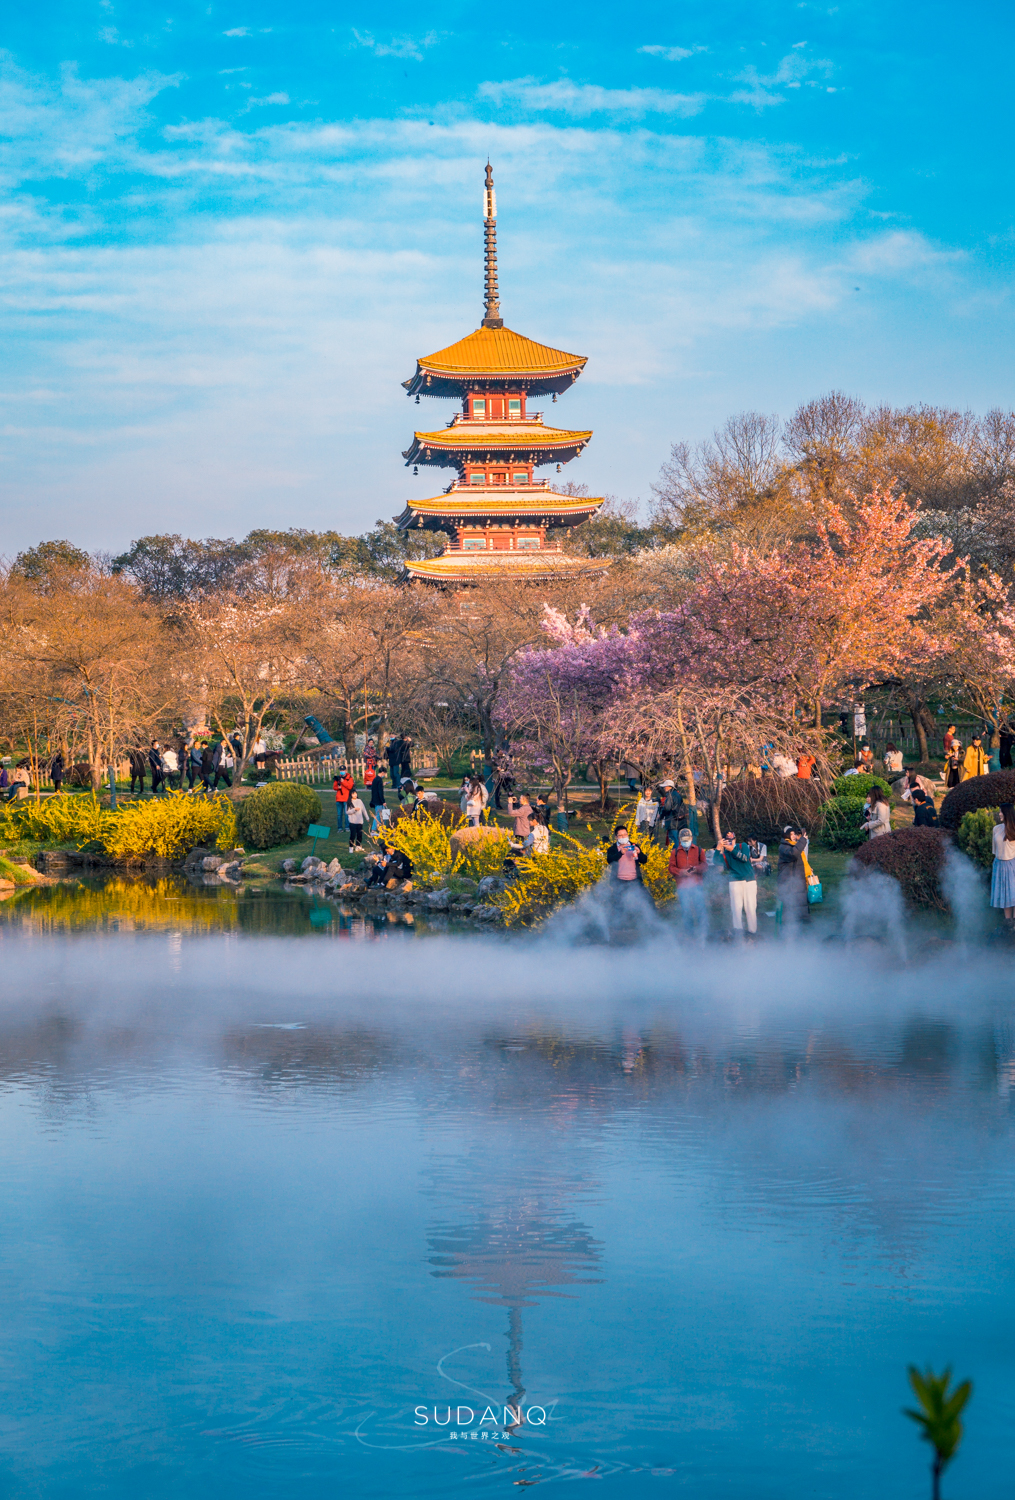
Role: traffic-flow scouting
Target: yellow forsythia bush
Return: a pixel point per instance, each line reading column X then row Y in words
column 544, row 881
column 162, row 826
column 427, row 842
column 168, row 826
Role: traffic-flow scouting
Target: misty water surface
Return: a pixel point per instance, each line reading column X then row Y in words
column 264, row 1197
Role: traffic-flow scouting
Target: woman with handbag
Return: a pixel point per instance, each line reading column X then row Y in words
column 879, row 819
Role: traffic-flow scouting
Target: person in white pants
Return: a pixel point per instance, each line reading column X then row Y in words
column 743, row 883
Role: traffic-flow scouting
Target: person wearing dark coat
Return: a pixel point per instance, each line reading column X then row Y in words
column 56, row 771
column 792, row 877
column 157, row 768
column 924, row 812
column 207, row 765
column 1007, row 738
column 394, row 755
column 377, row 792
column 138, row 770
column 626, row 859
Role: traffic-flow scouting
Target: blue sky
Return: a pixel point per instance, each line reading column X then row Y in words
column 229, row 229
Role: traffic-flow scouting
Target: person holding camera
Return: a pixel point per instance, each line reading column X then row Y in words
column 743, row 880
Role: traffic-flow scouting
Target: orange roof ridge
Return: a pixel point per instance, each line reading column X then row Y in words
column 497, row 353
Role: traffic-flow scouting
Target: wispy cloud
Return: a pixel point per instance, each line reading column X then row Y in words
column 397, row 46
column 580, row 100
column 792, row 72
column 237, row 31
column 670, row 54
column 112, row 37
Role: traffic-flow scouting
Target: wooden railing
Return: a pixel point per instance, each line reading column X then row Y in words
column 321, row 770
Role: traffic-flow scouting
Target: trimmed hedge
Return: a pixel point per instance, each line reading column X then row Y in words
column 760, row 809
column 914, row 857
column 277, row 814
column 842, row 822
column 859, row 785
column 976, row 836
column 979, row 791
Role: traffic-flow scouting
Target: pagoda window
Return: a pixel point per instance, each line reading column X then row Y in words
column 514, row 406
column 475, row 478
column 527, row 544
column 520, row 478
column 478, row 409
column 473, row 544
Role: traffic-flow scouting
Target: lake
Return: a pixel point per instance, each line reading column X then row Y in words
column 297, row 1218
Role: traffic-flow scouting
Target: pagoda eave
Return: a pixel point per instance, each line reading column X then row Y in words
column 470, row 568
column 494, row 356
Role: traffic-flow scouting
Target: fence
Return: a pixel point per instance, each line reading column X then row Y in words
column 321, row 770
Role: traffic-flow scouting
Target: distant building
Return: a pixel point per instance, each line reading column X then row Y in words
column 496, row 512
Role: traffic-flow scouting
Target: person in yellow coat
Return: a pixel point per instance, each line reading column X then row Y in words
column 974, row 762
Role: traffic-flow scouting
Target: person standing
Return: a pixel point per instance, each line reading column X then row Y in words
column 207, row 766
column 879, row 819
column 792, row 877
column 736, row 856
column 625, row 859
column 1002, row 879
column 394, row 755
column 343, row 787
column 193, row 764
column 631, row 774
column 1005, row 740
column 56, row 771
column 357, row 817
column 974, row 762
column 138, row 769
column 949, row 740
column 647, row 812
column 224, row 764
column 687, row 864
column 804, row 769
column 953, row 766
column 520, row 814
column 476, row 802
column 406, row 758
column 157, row 768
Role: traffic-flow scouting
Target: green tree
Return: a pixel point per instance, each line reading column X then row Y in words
column 939, row 1417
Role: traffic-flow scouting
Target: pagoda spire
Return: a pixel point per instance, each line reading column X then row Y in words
column 493, row 318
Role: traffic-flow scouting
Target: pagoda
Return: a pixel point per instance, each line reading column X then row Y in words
column 496, row 512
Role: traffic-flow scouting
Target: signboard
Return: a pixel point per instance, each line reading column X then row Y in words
column 318, row 831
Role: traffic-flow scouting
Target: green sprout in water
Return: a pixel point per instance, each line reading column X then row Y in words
column 939, row 1417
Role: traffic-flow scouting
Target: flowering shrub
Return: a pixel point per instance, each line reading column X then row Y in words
column 427, row 842
column 915, row 858
column 976, row 836
column 168, row 826
column 545, row 881
column 162, row 826
column 978, row 791
column 278, row 814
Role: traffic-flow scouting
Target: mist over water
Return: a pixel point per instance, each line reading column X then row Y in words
column 699, row 1204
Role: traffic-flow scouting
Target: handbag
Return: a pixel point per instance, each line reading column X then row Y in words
column 814, row 892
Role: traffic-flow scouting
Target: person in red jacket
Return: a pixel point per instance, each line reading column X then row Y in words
column 343, row 789
column 687, row 868
column 687, row 864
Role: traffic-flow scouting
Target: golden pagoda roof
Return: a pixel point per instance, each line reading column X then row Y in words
column 501, row 439
column 478, row 567
column 500, row 504
column 496, row 355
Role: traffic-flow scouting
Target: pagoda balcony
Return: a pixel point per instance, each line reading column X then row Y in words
column 475, row 491
column 523, row 419
column 488, row 551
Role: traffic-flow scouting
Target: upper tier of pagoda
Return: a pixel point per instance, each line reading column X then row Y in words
column 491, row 358
column 465, row 441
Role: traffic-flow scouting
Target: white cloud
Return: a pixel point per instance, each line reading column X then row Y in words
column 269, row 99
column 763, row 89
column 898, row 251
column 583, row 99
column 238, row 31
column 670, row 54
column 112, row 37
column 398, row 46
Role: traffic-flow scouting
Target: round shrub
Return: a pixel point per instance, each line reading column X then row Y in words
column 842, row 822
column 859, row 785
column 976, row 836
column 914, row 857
column 760, row 808
column 979, row 791
column 277, row 814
